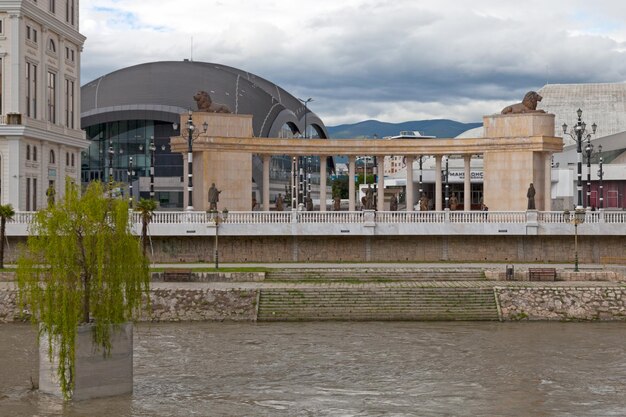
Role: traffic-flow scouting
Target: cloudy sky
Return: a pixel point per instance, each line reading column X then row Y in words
column 390, row 60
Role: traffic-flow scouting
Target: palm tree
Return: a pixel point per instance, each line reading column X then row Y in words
column 146, row 208
column 6, row 213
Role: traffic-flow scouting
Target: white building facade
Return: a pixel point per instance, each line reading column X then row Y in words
column 40, row 135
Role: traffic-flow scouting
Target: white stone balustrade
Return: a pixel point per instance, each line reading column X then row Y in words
column 261, row 223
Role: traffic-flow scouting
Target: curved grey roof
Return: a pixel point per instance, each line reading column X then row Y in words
column 164, row 90
column 601, row 103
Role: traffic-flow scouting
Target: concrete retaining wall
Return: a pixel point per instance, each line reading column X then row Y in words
column 385, row 248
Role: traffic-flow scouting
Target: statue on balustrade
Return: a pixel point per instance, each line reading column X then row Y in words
column 279, row 203
column 369, row 198
column 530, row 194
column 214, row 197
column 423, row 203
column 454, row 202
column 336, row 203
column 393, row 203
column 308, row 201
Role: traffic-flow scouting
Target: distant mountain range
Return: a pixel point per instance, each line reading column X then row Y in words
column 441, row 128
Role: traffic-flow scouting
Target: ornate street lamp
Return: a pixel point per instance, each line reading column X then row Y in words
column 578, row 218
column 579, row 133
column 130, row 173
column 447, row 189
column 218, row 218
column 588, row 152
column 191, row 136
column 601, row 176
column 302, row 191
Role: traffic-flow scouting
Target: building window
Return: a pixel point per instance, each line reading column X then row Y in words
column 34, row 153
column 1, row 106
column 52, row 46
column 34, row 193
column 67, row 159
column 28, row 152
column 52, row 97
column 69, row 54
column 31, row 34
column 27, row 194
column 69, row 11
column 52, row 159
column 72, row 158
column 1, row 27
column 53, row 5
column 31, row 90
column 69, row 103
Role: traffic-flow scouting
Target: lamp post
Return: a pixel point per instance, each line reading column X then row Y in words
column 218, row 218
column 130, row 173
column 375, row 172
column 447, row 189
column 421, row 190
column 190, row 138
column 152, row 151
column 578, row 133
column 579, row 218
column 601, row 176
column 588, row 152
column 302, row 191
column 111, row 152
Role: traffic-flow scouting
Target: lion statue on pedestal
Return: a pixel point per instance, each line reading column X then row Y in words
column 203, row 99
column 528, row 105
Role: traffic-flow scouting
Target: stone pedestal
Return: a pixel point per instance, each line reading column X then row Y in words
column 230, row 171
column 96, row 376
column 522, row 158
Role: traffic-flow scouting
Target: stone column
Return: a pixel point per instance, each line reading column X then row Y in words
column 351, row 187
column 323, row 170
column 410, row 199
column 437, row 196
column 380, row 200
column 547, row 187
column 266, row 182
column 467, row 185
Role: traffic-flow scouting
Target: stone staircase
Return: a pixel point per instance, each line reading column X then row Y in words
column 377, row 303
column 375, row 274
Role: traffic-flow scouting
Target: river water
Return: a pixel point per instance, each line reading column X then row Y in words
column 347, row 369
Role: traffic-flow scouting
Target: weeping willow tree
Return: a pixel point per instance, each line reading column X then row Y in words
column 80, row 265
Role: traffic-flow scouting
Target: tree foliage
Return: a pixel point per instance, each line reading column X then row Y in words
column 81, row 264
column 146, row 208
column 6, row 213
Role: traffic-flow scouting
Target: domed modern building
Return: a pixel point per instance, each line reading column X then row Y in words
column 130, row 113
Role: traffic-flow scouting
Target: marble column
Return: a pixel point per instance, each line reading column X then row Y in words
column 467, row 184
column 380, row 200
column 410, row 199
column 266, row 182
column 323, row 176
column 547, row 187
column 351, row 187
column 438, row 197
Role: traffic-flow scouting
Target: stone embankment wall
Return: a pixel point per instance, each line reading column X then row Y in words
column 178, row 302
column 562, row 303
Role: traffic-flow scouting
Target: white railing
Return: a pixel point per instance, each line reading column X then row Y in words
column 340, row 217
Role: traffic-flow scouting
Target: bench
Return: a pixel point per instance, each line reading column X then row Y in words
column 541, row 274
column 176, row 275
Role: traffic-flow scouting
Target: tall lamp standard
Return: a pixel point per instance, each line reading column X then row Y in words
column 579, row 218
column 190, row 138
column 152, row 151
column 302, row 193
column 601, row 176
column 111, row 153
column 588, row 152
column 421, row 190
column 447, row 195
column 130, row 173
column 578, row 133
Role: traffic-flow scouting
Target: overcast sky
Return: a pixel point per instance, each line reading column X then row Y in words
column 389, row 60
